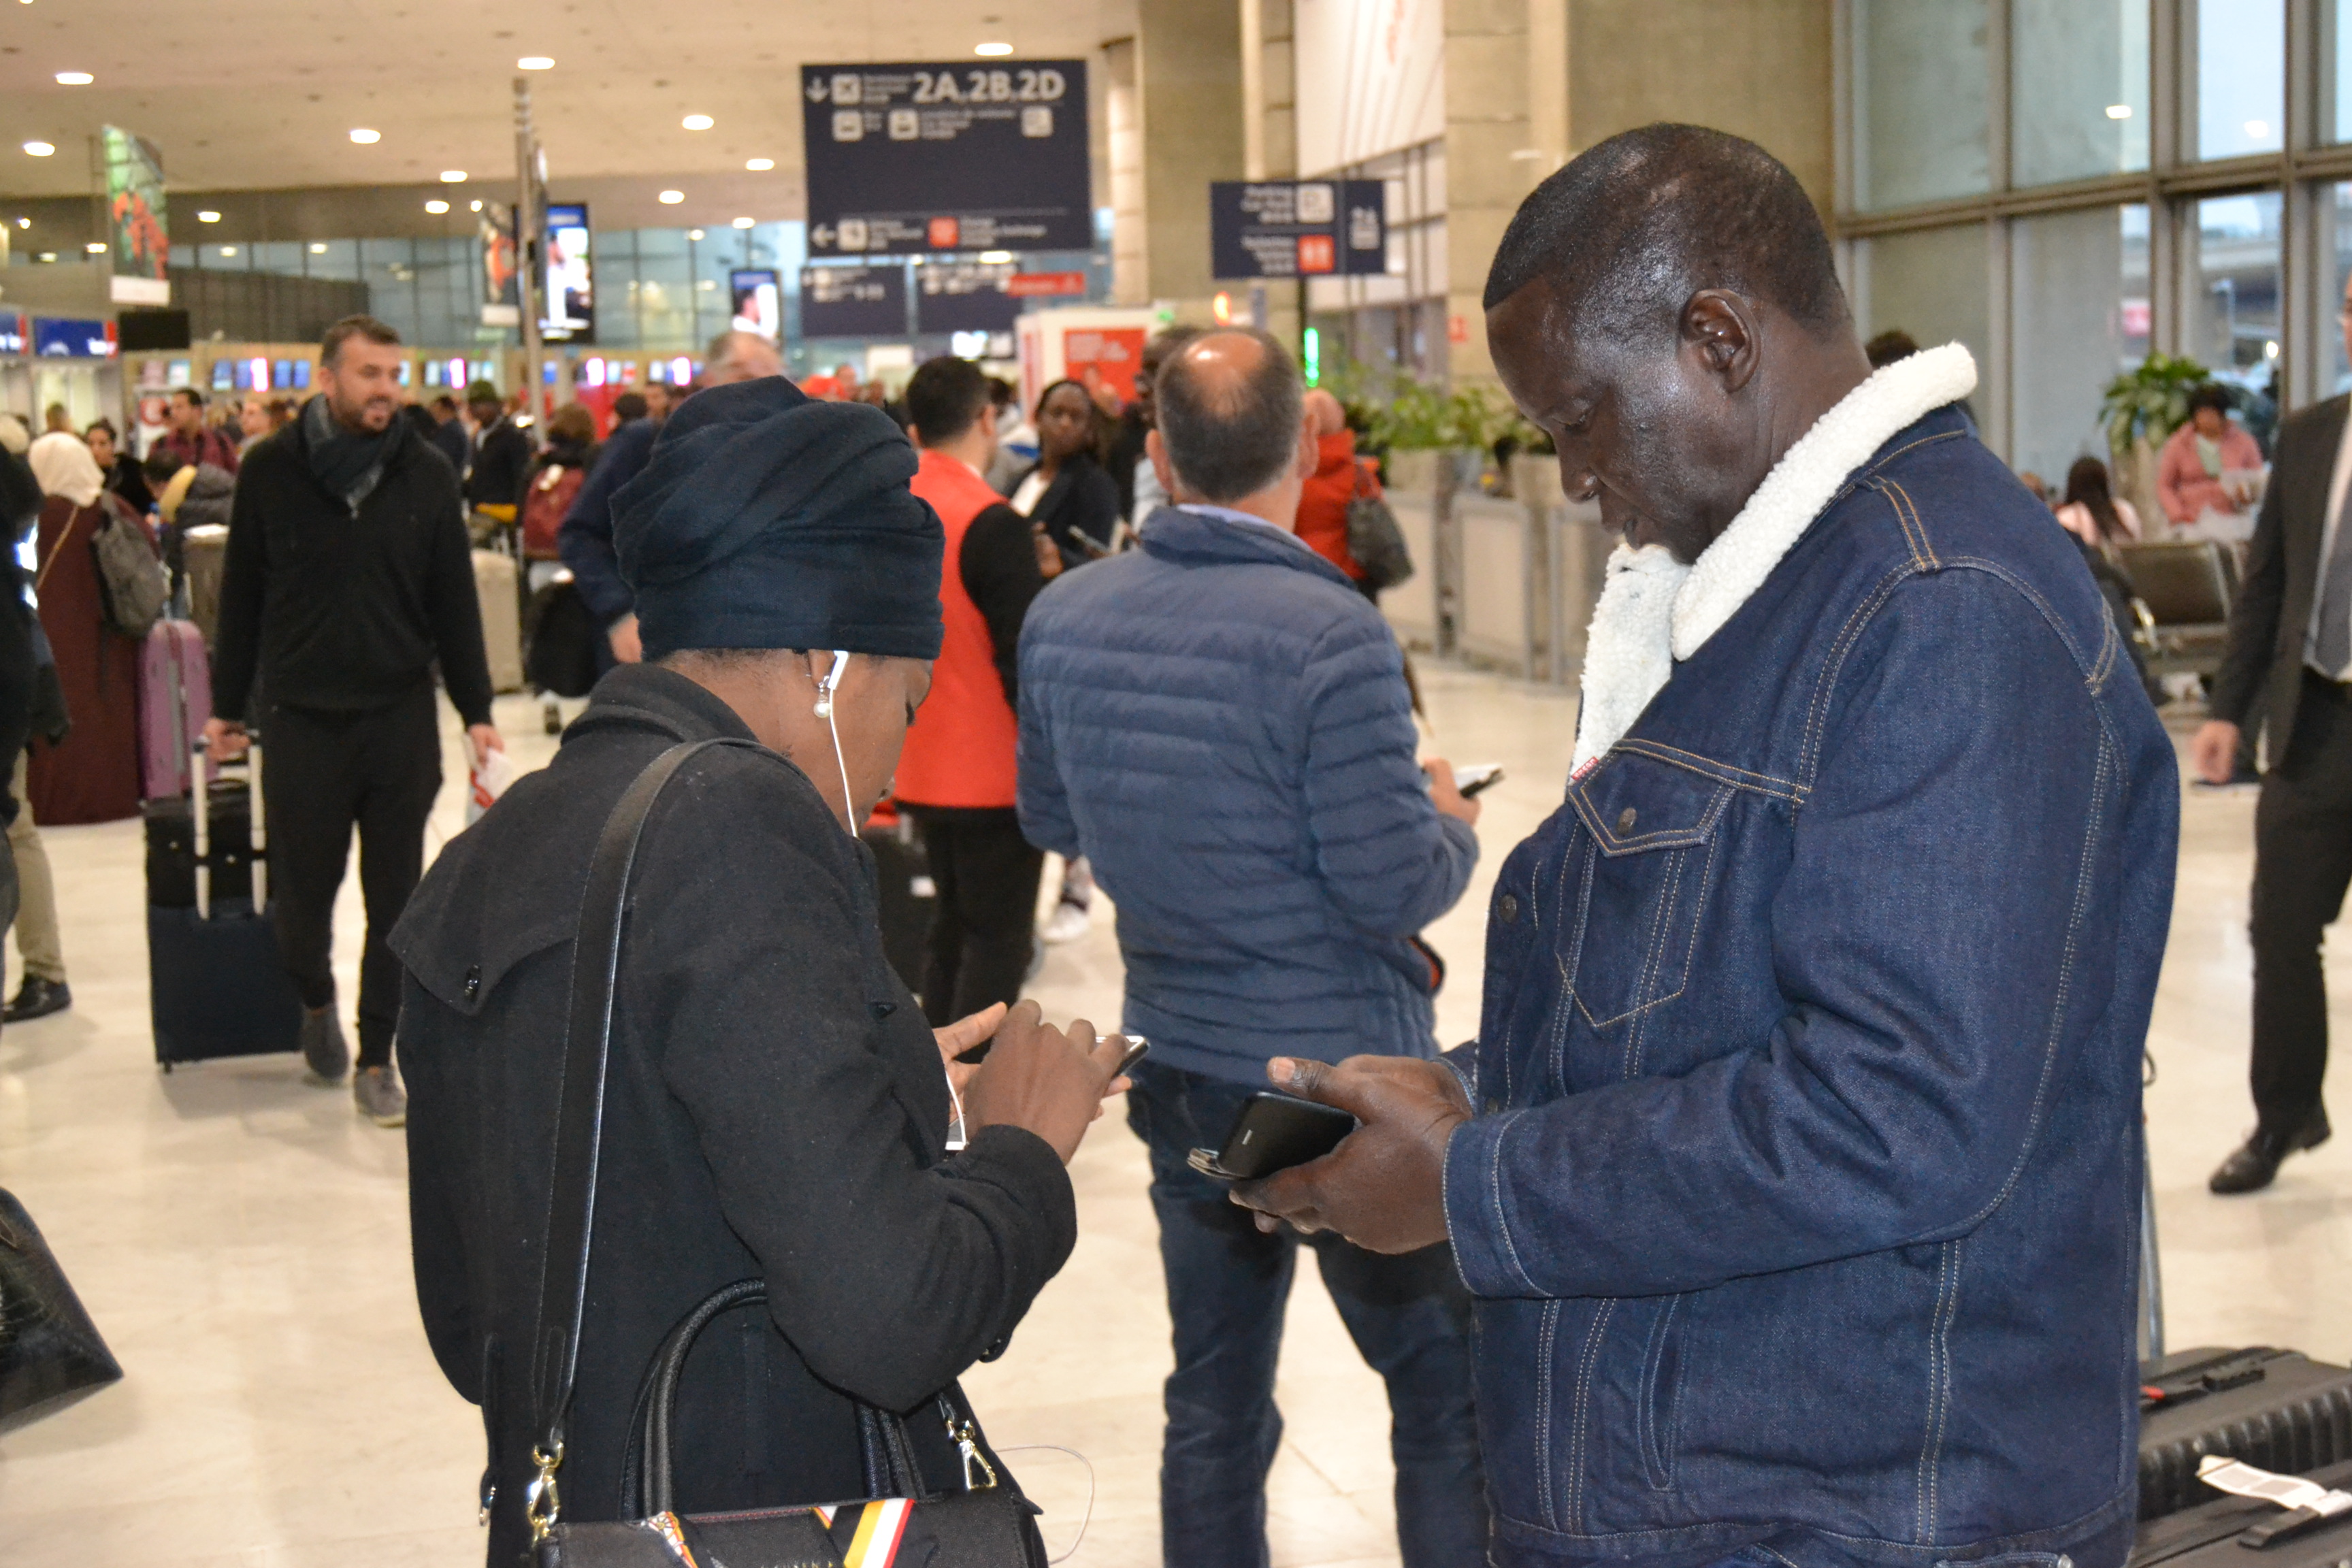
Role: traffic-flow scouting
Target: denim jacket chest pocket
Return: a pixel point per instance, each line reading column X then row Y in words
column 1634, row 892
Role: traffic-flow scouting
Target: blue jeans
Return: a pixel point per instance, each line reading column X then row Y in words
column 1227, row 1287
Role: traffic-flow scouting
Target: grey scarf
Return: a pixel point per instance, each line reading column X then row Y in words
column 349, row 463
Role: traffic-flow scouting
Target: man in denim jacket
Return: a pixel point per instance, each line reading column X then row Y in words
column 1795, row 1170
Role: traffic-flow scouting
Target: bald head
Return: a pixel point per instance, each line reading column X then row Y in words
column 739, row 356
column 1328, row 415
column 1230, row 414
column 1629, row 230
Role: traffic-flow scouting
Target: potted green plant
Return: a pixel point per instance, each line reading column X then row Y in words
column 2141, row 409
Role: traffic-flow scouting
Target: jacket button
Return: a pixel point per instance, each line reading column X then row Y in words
column 473, row 982
column 1507, row 906
column 1626, row 820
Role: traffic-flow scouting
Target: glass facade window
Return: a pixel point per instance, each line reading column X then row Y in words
column 1931, row 284
column 2241, row 76
column 2336, row 64
column 2336, row 216
column 1922, row 104
column 2231, row 313
column 2080, row 317
column 2078, row 89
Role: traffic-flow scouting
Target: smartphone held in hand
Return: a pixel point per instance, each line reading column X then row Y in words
column 1274, row 1132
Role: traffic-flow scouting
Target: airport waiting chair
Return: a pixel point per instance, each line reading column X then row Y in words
column 2181, row 593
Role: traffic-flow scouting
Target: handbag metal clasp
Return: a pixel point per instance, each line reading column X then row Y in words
column 543, row 1504
column 975, row 1462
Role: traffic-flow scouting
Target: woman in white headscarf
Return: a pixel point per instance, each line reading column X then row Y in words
column 92, row 775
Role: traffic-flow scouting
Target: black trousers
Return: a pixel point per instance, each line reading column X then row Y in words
column 985, row 918
column 2303, row 864
column 324, row 773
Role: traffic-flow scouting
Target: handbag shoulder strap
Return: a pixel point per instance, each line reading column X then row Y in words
column 580, row 1115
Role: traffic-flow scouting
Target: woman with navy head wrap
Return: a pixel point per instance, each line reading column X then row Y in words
column 776, row 1106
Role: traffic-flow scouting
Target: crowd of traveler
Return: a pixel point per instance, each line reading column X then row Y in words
column 1746, row 1183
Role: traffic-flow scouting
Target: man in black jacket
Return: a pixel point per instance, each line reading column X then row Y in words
column 2289, row 660
column 347, row 576
column 501, row 454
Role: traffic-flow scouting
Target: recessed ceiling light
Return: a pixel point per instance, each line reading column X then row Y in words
column 38, row 149
column 453, row 176
column 744, row 223
column 318, row 248
column 475, row 205
column 95, row 248
column 671, row 198
column 75, row 78
column 25, row 221
column 992, row 50
column 695, row 235
column 208, row 215
column 759, row 166
column 365, row 137
column 437, row 205
column 698, row 122
column 534, row 63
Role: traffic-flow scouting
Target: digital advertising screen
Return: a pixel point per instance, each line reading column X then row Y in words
column 568, row 287
column 758, row 302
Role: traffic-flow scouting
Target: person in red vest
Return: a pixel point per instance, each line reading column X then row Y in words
column 1338, row 479
column 957, row 776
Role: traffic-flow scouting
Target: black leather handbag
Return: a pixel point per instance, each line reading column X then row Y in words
column 985, row 1524
column 50, row 1355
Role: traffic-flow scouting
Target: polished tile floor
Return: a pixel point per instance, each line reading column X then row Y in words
column 242, row 1241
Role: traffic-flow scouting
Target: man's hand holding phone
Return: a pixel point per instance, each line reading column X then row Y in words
column 1384, row 1187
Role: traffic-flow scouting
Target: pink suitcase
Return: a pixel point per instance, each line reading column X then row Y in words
column 176, row 698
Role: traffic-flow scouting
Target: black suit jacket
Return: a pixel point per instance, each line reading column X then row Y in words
column 2264, row 656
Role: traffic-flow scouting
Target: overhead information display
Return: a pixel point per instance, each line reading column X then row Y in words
column 853, row 301
column 1297, row 228
column 907, row 160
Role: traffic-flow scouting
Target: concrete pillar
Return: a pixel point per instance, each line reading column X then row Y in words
column 1187, row 99
column 1487, row 129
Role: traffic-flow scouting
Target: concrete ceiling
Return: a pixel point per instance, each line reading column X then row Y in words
column 264, row 94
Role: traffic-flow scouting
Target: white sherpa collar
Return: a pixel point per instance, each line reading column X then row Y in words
column 1654, row 612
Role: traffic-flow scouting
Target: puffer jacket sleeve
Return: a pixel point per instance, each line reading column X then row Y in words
column 1390, row 861
column 1044, row 796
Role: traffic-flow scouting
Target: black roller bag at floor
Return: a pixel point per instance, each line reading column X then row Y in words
column 2277, row 1410
column 2208, row 1536
column 217, row 985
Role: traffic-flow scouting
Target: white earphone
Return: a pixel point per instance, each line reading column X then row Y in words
column 825, row 690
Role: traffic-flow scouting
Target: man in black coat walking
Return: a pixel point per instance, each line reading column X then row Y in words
column 347, row 576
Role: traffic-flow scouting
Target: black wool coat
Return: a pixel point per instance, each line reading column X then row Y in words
column 776, row 1108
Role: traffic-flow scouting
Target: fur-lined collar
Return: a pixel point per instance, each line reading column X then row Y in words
column 1656, row 612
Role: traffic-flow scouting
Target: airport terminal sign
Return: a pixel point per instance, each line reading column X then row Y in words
column 853, row 301
column 915, row 159
column 1297, row 228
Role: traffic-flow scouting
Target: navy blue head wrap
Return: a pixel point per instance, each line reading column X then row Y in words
column 768, row 520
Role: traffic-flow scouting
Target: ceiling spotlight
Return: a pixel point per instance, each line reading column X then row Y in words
column 75, row 78
column 366, row 138
column 759, row 166
column 992, row 51
column 744, row 223
column 534, row 63
column 38, row 149
column 453, row 176
column 24, row 223
column 95, row 248
column 437, row 205
column 208, row 215
column 698, row 122
column 695, row 235
column 475, row 205
column 671, row 198
column 318, row 248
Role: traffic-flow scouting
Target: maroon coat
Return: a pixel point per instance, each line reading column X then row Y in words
column 93, row 776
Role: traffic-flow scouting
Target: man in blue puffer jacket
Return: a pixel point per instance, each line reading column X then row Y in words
column 1219, row 721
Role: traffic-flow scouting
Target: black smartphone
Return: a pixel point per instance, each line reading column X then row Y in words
column 1137, row 1046
column 1470, row 781
column 1274, row 1132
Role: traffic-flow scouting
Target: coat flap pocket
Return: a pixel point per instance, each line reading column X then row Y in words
column 1632, row 803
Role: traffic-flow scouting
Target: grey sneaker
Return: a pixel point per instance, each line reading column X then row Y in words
column 380, row 1099
column 323, row 1051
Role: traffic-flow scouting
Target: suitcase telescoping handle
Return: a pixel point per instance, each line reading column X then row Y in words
column 257, row 833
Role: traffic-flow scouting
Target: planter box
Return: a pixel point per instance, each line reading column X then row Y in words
column 1410, row 480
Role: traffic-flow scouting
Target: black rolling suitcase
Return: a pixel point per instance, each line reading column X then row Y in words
column 2249, row 1532
column 2277, row 1410
column 217, row 986
column 904, row 890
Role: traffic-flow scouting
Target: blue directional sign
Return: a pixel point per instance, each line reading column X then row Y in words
column 918, row 159
column 1297, row 228
column 853, row 301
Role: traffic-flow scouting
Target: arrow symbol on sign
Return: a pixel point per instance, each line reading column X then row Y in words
column 818, row 91
column 822, row 234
